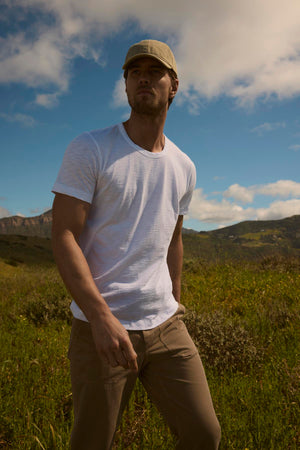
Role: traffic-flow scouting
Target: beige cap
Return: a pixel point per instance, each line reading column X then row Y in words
column 155, row 49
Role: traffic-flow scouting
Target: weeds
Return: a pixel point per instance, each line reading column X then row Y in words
column 41, row 310
column 280, row 263
column 223, row 343
column 243, row 318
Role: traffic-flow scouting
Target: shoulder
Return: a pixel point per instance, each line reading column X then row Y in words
column 183, row 158
column 103, row 134
column 90, row 144
column 94, row 137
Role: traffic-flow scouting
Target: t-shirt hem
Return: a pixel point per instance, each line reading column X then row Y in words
column 139, row 325
column 147, row 324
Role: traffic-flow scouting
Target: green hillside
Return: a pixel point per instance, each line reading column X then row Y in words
column 250, row 240
column 29, row 250
column 242, row 243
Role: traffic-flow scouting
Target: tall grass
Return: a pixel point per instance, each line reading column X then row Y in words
column 243, row 318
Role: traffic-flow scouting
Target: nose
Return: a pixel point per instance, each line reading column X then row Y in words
column 144, row 77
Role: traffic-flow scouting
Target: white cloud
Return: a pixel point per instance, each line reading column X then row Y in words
column 4, row 212
column 265, row 127
column 282, row 189
column 223, row 212
column 36, row 63
column 240, row 193
column 279, row 210
column 119, row 94
column 244, row 50
column 213, row 211
column 191, row 98
column 47, row 100
column 23, row 119
column 42, row 54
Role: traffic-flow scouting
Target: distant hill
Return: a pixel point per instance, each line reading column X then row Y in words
column 27, row 226
column 36, row 226
column 16, row 250
column 249, row 240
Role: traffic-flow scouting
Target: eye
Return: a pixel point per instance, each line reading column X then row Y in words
column 134, row 71
column 158, row 71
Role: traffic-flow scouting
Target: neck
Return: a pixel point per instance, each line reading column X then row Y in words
column 146, row 131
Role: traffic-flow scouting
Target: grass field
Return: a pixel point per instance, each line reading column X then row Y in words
column 244, row 319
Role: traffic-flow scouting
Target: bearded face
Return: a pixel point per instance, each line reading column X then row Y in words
column 149, row 87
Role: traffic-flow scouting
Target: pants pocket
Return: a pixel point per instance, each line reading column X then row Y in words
column 176, row 339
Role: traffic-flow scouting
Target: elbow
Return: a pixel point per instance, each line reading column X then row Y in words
column 62, row 241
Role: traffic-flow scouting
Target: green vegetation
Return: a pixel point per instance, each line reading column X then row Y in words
column 244, row 318
column 261, row 234
column 249, row 240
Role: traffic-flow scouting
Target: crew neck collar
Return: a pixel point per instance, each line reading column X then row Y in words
column 141, row 150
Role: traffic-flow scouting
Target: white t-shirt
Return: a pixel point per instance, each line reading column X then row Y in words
column 136, row 197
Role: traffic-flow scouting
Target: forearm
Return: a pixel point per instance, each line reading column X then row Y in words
column 77, row 276
column 111, row 339
column 174, row 260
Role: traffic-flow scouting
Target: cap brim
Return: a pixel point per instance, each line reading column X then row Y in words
column 143, row 55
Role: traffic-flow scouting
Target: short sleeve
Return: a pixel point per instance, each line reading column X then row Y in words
column 187, row 197
column 78, row 173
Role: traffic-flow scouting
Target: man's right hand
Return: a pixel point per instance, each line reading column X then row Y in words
column 113, row 343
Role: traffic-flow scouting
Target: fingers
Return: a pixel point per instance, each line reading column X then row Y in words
column 111, row 359
column 131, row 357
column 120, row 359
column 113, row 343
column 124, row 356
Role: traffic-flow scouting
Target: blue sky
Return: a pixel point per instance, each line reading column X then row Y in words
column 236, row 114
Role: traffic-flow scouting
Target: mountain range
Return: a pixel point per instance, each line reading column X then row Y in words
column 245, row 240
column 27, row 226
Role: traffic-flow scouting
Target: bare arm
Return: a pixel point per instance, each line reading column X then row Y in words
column 111, row 338
column 175, row 258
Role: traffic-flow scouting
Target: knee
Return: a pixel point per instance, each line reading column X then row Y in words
column 212, row 437
column 201, row 438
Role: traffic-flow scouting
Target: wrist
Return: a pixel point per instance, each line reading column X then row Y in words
column 97, row 311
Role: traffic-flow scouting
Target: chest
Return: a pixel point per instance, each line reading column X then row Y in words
column 137, row 180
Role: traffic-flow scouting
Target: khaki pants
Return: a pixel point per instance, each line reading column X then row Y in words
column 171, row 371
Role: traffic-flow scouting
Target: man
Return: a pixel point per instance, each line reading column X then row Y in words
column 121, row 194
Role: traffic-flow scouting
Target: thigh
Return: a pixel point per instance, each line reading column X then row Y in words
column 175, row 379
column 100, row 392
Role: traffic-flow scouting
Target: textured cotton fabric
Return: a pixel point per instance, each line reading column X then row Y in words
column 136, row 197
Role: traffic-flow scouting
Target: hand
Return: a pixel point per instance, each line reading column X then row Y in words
column 113, row 343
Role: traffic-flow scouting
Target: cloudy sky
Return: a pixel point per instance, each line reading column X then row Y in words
column 236, row 115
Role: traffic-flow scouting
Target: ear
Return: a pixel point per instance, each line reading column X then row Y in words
column 174, row 87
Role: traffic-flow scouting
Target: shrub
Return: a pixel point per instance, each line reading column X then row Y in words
column 223, row 343
column 280, row 263
column 41, row 310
